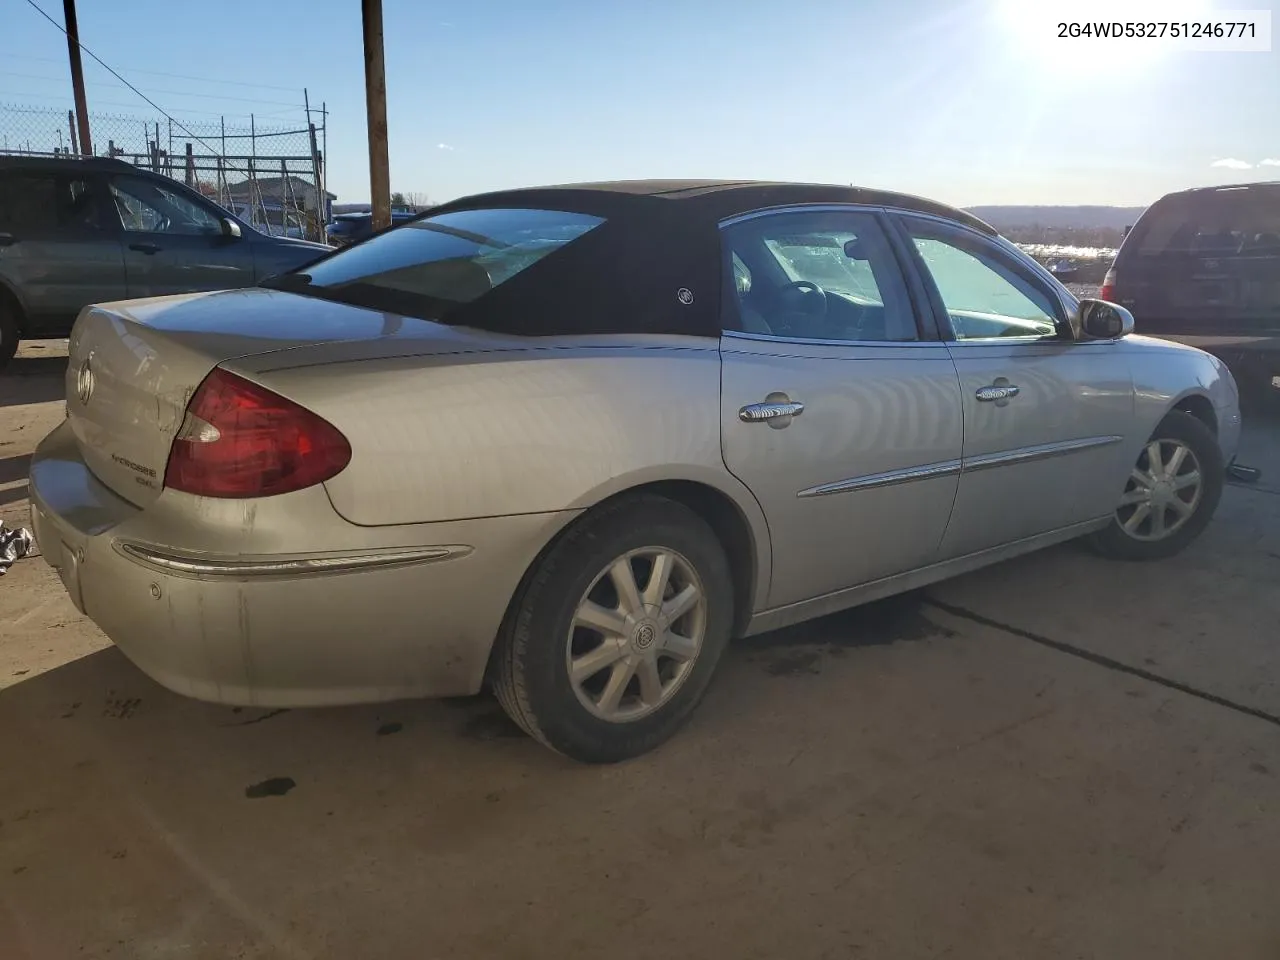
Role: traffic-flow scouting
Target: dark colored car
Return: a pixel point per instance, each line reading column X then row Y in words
column 1204, row 266
column 350, row 227
column 76, row 231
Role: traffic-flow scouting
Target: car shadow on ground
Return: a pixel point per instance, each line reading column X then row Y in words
column 33, row 379
column 93, row 692
column 101, row 711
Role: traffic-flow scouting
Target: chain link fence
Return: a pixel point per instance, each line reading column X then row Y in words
column 270, row 176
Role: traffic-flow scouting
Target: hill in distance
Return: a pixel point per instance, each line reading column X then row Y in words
column 1005, row 218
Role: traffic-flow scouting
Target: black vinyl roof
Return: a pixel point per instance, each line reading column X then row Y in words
column 706, row 198
column 654, row 265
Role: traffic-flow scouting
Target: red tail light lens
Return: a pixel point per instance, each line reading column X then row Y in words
column 1108, row 291
column 242, row 440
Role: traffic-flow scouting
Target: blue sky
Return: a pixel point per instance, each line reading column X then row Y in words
column 953, row 99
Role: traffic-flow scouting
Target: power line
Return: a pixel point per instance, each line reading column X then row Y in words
column 155, row 106
column 172, row 93
column 175, row 76
column 12, row 101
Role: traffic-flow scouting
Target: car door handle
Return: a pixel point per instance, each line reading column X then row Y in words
column 7, row 239
column 770, row 410
column 997, row 392
column 147, row 248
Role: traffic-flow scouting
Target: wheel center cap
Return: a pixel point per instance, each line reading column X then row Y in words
column 645, row 635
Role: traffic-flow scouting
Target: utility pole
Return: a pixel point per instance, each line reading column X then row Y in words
column 375, row 94
column 77, row 75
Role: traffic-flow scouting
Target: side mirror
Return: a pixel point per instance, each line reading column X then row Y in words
column 1101, row 320
column 855, row 250
column 230, row 229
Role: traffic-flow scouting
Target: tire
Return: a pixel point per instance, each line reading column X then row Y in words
column 542, row 632
column 1177, row 430
column 9, row 332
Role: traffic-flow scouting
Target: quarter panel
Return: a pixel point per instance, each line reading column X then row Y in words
column 508, row 432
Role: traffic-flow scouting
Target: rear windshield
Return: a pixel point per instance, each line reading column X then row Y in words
column 1219, row 223
column 430, row 266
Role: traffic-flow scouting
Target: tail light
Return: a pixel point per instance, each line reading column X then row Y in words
column 1108, row 291
column 242, row 440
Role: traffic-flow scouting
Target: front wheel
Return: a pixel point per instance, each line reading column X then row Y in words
column 616, row 635
column 1170, row 496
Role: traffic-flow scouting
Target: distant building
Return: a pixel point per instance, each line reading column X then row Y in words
column 291, row 191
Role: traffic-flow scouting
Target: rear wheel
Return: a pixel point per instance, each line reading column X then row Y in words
column 1171, row 494
column 615, row 638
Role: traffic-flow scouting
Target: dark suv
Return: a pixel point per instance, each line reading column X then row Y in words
column 75, row 231
column 1203, row 266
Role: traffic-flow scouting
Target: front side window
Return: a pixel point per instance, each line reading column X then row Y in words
column 426, row 267
column 821, row 275
column 46, row 202
column 147, row 207
column 985, row 293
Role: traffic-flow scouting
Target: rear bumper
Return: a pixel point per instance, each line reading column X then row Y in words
column 383, row 614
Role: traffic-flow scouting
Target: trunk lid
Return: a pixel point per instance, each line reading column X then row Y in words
column 134, row 365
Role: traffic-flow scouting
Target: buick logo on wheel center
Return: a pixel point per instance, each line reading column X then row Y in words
column 85, row 381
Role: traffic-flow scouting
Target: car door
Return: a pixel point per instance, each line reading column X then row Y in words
column 59, row 250
column 838, row 412
column 1044, row 414
column 173, row 243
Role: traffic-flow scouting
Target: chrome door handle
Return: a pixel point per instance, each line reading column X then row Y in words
column 770, row 410
column 997, row 392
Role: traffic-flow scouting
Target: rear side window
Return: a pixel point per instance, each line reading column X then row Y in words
column 45, row 202
column 450, row 259
column 1219, row 223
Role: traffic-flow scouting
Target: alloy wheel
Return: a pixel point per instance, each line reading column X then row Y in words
column 636, row 634
column 1163, row 492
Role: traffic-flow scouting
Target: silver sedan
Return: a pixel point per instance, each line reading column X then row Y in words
column 567, row 442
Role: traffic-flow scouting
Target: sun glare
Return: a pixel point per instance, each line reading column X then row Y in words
column 1034, row 28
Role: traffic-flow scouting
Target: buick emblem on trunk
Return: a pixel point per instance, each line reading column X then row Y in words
column 84, row 381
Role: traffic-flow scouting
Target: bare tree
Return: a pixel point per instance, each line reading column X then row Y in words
column 417, row 201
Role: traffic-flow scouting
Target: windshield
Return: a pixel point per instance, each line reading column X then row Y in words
column 428, row 267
